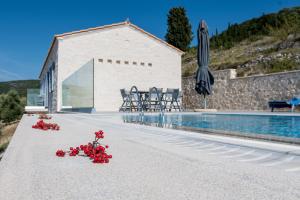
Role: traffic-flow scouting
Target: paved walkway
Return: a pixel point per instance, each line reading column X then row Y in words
column 147, row 163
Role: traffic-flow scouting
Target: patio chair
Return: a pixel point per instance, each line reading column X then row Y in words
column 180, row 100
column 134, row 101
column 295, row 101
column 278, row 104
column 172, row 99
column 292, row 103
column 126, row 100
column 154, row 100
column 168, row 98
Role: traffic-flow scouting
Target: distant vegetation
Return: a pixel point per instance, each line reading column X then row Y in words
column 268, row 44
column 20, row 86
column 281, row 24
column 13, row 98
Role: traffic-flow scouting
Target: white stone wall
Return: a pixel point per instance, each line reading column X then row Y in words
column 123, row 44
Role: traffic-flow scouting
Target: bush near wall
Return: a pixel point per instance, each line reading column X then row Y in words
column 11, row 107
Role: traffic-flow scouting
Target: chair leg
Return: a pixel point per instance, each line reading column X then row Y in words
column 122, row 106
column 127, row 105
column 131, row 106
column 171, row 106
column 167, row 106
column 178, row 106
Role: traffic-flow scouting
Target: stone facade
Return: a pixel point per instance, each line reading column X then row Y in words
column 247, row 93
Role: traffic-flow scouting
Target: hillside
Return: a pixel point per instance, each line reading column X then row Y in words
column 272, row 44
column 20, row 86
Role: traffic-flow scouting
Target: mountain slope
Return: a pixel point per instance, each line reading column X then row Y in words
column 281, row 24
column 273, row 49
column 20, row 86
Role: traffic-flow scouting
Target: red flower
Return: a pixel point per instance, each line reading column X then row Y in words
column 95, row 151
column 60, row 153
column 99, row 134
column 45, row 126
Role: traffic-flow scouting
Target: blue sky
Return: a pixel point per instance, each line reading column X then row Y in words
column 27, row 27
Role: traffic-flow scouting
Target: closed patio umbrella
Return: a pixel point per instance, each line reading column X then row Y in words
column 204, row 78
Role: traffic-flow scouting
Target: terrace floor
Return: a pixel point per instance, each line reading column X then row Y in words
column 147, row 163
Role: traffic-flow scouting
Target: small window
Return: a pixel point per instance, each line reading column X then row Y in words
column 134, row 63
column 118, row 62
column 142, row 64
column 126, row 62
column 109, row 60
column 100, row 60
column 150, row 64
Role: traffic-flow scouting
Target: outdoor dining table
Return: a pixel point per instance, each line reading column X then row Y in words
column 143, row 95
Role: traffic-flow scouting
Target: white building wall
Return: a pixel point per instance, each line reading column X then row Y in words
column 123, row 44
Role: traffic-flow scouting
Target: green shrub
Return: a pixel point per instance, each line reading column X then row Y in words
column 269, row 51
column 3, row 147
column 10, row 107
column 281, row 65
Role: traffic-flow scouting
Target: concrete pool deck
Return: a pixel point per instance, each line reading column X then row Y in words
column 147, row 163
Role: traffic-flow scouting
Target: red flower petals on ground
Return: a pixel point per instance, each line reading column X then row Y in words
column 45, row 126
column 99, row 134
column 60, row 153
column 95, row 151
column 44, row 116
column 73, row 152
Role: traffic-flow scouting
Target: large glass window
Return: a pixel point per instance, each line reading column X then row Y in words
column 34, row 98
column 78, row 88
column 45, row 89
column 52, row 70
column 50, row 75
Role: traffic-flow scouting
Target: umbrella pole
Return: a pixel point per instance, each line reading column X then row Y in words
column 204, row 102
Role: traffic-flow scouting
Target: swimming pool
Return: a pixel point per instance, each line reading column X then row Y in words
column 273, row 127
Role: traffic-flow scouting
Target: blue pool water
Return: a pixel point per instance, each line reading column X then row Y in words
column 286, row 126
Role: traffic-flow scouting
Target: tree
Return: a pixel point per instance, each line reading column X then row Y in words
column 11, row 108
column 179, row 32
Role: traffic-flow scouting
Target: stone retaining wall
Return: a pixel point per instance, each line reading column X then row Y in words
column 247, row 93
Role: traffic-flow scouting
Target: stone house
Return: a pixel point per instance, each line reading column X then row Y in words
column 86, row 69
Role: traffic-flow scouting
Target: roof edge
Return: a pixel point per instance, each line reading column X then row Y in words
column 48, row 54
column 90, row 29
column 59, row 36
column 156, row 38
column 114, row 25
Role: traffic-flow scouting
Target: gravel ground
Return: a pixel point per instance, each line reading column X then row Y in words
column 147, row 163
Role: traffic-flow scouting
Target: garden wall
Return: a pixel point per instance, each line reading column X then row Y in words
column 246, row 93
